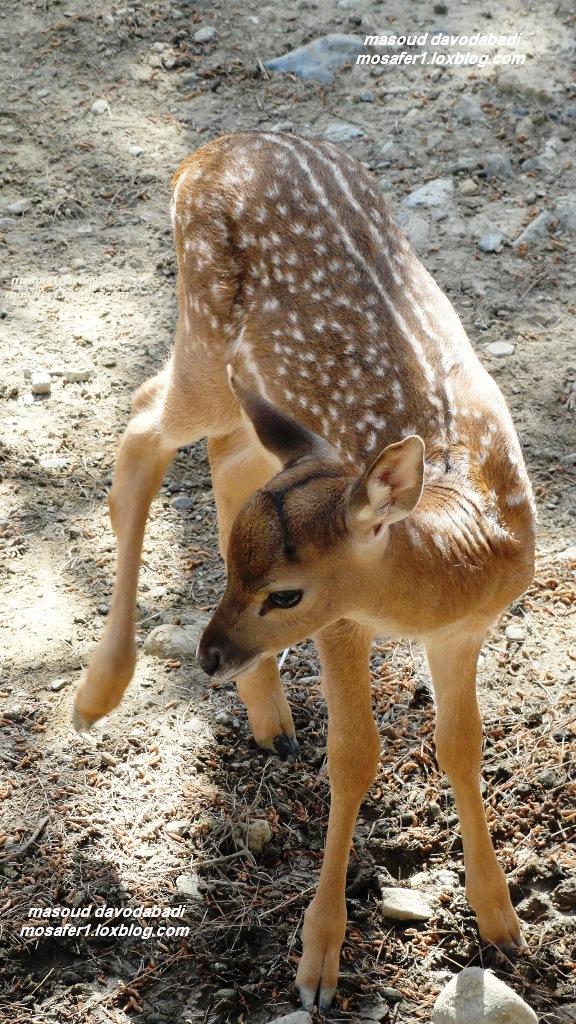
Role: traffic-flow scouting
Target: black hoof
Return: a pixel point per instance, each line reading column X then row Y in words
column 287, row 747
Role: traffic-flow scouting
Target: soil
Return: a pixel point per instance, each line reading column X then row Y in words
column 167, row 786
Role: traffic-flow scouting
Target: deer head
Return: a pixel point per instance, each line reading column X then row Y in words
column 302, row 547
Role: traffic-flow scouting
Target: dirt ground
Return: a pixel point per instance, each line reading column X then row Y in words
column 168, row 785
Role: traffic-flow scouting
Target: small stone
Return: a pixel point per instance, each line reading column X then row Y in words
column 476, row 996
column 283, row 126
column 170, row 641
column 367, row 96
column 58, row 684
column 468, row 109
column 183, row 503
column 434, row 193
column 99, row 107
column 177, row 827
column 500, row 349
column 468, row 187
column 404, row 905
column 536, row 230
column 205, row 34
column 41, row 383
column 78, row 376
column 19, row 207
column 564, row 896
column 103, row 609
column 258, row 835
column 498, row 165
column 440, row 8
column 548, row 779
column 135, row 150
column 491, row 241
column 317, row 60
column 223, row 718
column 341, row 131
column 299, row 1017
column 415, row 227
column 52, row 463
column 391, row 995
column 188, row 884
column 515, row 632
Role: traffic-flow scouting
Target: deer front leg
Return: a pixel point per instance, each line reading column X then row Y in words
column 353, row 751
column 269, row 713
column 146, row 450
column 458, row 737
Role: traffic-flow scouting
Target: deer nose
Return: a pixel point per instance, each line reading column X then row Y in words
column 209, row 660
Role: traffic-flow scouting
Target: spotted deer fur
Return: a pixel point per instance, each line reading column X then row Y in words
column 361, row 457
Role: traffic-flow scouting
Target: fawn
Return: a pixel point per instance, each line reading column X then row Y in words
column 367, row 476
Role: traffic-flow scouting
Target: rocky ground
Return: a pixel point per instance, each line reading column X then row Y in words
column 99, row 104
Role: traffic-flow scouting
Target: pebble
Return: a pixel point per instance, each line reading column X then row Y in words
column 18, row 207
column 434, row 193
column 468, row 187
column 188, row 884
column 258, row 835
column 78, row 376
column 500, row 349
column 491, row 241
column 341, row 131
column 41, row 383
column 53, row 463
column 99, row 107
column 205, row 34
column 415, row 227
column 468, row 109
column 135, row 150
column 498, row 165
column 58, row 684
column 170, row 641
column 404, row 905
column 318, row 59
column 476, row 996
column 299, row 1017
column 536, row 230
column 183, row 503
column 565, row 213
column 283, row 126
column 177, row 827
column 515, row 632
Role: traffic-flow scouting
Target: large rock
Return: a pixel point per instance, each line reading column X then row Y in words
column 169, row 641
column 476, row 996
column 319, row 59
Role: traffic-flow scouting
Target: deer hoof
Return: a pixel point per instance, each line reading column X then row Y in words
column 287, row 747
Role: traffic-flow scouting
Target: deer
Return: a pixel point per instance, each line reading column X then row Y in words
column 367, row 476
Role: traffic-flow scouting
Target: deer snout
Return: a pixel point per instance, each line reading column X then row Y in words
column 208, row 658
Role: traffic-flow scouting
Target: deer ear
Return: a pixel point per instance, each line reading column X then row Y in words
column 276, row 430
column 390, row 488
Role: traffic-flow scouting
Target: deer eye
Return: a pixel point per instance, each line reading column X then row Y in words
column 284, row 598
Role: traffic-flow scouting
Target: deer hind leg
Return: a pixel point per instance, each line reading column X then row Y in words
column 453, row 662
column 353, row 752
column 160, row 423
column 238, row 469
